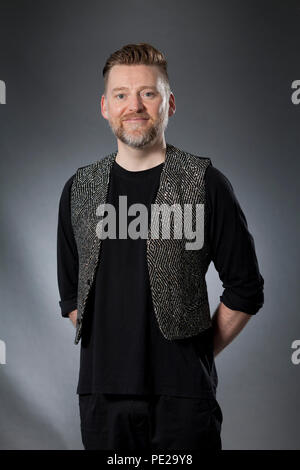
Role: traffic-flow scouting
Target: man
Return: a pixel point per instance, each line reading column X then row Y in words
column 147, row 378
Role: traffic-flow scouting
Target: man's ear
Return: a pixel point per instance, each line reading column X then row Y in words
column 172, row 105
column 103, row 107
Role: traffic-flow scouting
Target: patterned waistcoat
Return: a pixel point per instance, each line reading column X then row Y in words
column 176, row 275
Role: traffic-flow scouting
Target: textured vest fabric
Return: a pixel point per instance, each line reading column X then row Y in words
column 177, row 275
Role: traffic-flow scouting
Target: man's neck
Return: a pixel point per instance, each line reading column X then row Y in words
column 135, row 159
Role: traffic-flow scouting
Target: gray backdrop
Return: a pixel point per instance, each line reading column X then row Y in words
column 232, row 65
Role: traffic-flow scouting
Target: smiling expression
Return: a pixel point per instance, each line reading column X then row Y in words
column 136, row 104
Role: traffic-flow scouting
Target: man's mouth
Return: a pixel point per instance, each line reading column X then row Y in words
column 136, row 119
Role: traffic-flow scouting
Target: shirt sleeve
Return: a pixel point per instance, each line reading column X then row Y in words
column 231, row 246
column 67, row 255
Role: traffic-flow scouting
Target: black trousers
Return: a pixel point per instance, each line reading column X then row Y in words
column 157, row 422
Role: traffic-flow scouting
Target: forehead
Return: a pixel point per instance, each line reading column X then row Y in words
column 134, row 76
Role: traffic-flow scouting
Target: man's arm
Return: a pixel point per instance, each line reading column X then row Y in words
column 233, row 253
column 227, row 324
column 67, row 257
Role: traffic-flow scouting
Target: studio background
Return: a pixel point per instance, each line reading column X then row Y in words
column 231, row 66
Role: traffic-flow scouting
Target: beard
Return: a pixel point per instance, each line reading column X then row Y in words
column 140, row 135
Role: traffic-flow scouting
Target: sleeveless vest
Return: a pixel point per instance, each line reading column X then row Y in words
column 176, row 275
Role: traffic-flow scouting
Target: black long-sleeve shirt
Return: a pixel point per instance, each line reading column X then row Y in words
column 122, row 348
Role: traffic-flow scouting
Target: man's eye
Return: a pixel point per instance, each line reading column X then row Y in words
column 123, row 94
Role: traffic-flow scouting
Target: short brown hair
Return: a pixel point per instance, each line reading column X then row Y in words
column 136, row 54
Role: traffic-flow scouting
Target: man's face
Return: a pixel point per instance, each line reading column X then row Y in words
column 137, row 106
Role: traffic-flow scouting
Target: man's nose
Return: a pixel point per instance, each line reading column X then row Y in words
column 135, row 103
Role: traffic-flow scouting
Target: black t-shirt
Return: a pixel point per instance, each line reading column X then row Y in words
column 122, row 348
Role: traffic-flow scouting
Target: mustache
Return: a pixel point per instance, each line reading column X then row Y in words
column 135, row 117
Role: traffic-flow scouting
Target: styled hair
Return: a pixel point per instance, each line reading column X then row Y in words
column 136, row 54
